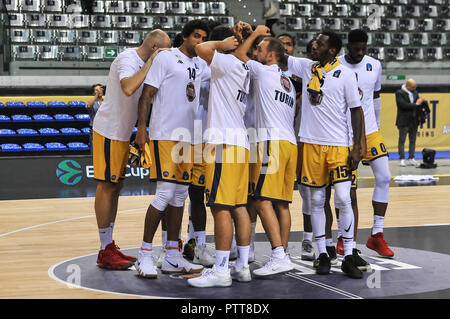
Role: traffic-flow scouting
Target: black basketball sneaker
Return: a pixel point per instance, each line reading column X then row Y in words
column 324, row 266
column 359, row 262
column 350, row 269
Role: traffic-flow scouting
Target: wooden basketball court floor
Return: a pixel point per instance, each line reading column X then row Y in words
column 38, row 233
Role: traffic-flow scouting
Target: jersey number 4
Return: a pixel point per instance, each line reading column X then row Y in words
column 192, row 73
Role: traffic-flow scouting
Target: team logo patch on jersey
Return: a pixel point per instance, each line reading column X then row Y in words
column 337, row 73
column 315, row 98
column 185, row 176
column 305, row 179
column 369, row 67
column 285, row 83
column 201, row 180
column 166, row 174
column 361, row 93
column 190, row 92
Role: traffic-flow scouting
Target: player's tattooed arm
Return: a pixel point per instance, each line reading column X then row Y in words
column 206, row 50
column 148, row 92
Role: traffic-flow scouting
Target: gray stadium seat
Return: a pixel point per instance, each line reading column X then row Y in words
column 433, row 54
column 342, row 10
column 98, row 6
column 136, row 7
column 425, row 24
column 446, row 53
column 382, row 38
column 52, row 6
column 122, row 21
column 419, row 38
column 36, row 20
column 414, row 54
column 197, row 8
column 176, row 7
column 114, row 6
column 78, row 21
column 404, row 1
column 12, row 5
column 368, row 1
column 143, row 22
column 323, row 10
column 227, row 21
column 313, row 24
column 396, row 11
column 57, row 20
column 101, row 21
column 23, row 52
column 65, row 36
column 286, row 9
column 31, row 5
column 407, row 24
column 131, row 37
column 47, row 52
column 442, row 25
column 389, row 24
column 295, row 23
column 164, row 22
column 400, row 38
column 94, row 53
column 17, row 20
column 219, row 8
column 432, row 11
column 413, row 11
column 71, row 52
column 158, row 7
column 350, row 23
column 19, row 35
column 343, row 36
column 304, row 10
column 41, row 35
column 302, row 38
column 180, row 21
column 360, row 11
column 87, row 36
column 377, row 53
column 439, row 39
column 109, row 36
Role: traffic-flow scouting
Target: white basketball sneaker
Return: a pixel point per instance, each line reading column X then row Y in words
column 177, row 264
column 211, row 278
column 203, row 257
column 307, row 250
column 241, row 274
column 402, row 163
column 274, row 266
column 144, row 265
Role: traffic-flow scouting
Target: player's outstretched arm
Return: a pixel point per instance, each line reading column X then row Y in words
column 241, row 51
column 206, row 50
column 148, row 92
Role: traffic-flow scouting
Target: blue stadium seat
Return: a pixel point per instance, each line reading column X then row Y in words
column 27, row 132
column 82, row 117
column 4, row 118
column 33, row 147
column 15, row 104
column 86, row 130
column 21, row 118
column 11, row 148
column 56, row 104
column 77, row 104
column 36, row 104
column 64, row 117
column 55, row 146
column 77, row 146
column 7, row 132
column 70, row 131
column 48, row 131
column 42, row 118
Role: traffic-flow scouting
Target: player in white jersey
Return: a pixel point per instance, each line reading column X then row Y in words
column 227, row 158
column 273, row 175
column 368, row 71
column 329, row 92
column 112, row 129
column 173, row 84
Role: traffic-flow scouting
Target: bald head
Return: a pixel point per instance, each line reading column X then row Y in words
column 410, row 85
column 156, row 39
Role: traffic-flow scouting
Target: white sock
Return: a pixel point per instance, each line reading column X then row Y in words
column 278, row 252
column 190, row 233
column 147, row 246
column 164, row 238
column 222, row 257
column 200, row 237
column 329, row 242
column 339, row 234
column 105, row 236
column 354, row 244
column 242, row 259
column 321, row 245
column 307, row 236
column 171, row 248
column 378, row 224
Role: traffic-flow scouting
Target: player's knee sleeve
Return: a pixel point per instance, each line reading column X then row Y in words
column 382, row 173
column 342, row 195
column 196, row 194
column 305, row 193
column 180, row 195
column 317, row 200
column 163, row 195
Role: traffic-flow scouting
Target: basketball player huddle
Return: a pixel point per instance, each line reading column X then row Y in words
column 223, row 123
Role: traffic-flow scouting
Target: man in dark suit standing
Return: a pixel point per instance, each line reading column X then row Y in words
column 408, row 102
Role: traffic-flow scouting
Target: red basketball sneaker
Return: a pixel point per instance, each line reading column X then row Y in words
column 376, row 242
column 130, row 258
column 109, row 258
column 340, row 246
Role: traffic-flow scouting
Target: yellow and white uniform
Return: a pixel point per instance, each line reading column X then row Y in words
column 177, row 78
column 226, row 179
column 323, row 129
column 273, row 176
column 115, row 119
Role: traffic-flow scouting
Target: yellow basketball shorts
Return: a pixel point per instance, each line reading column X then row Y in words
column 110, row 158
column 375, row 149
column 199, row 167
column 172, row 161
column 273, row 176
column 324, row 165
column 227, row 175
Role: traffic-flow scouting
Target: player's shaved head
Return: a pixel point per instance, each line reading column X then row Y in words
column 158, row 37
